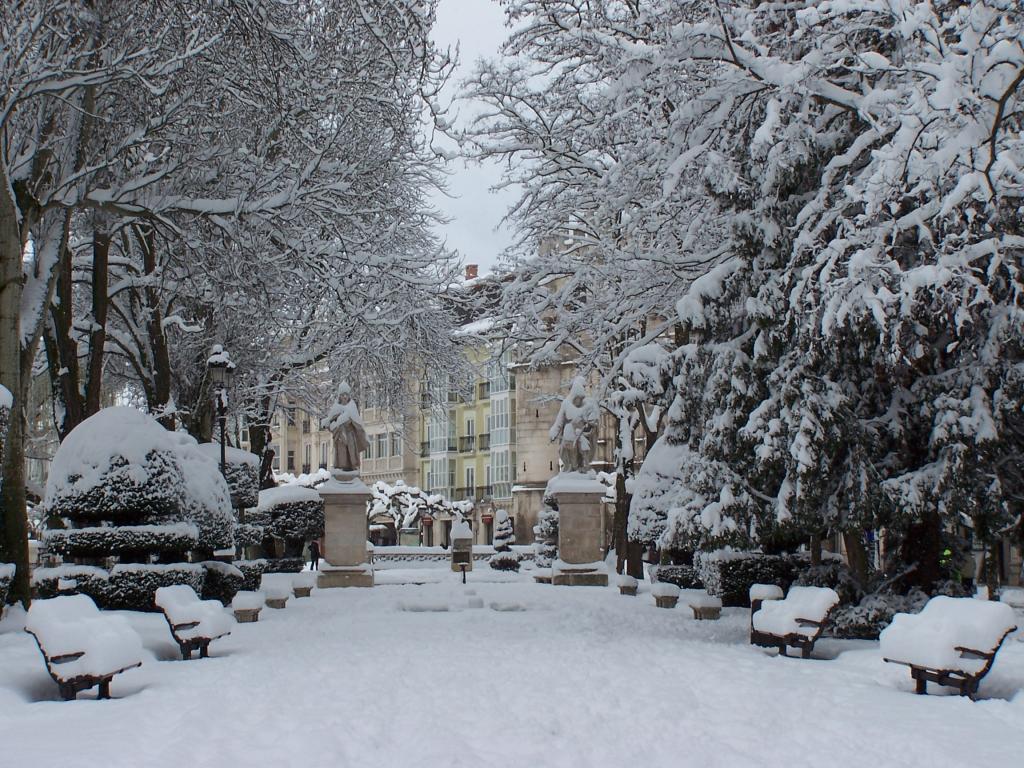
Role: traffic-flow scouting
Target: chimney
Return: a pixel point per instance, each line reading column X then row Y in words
column 472, row 271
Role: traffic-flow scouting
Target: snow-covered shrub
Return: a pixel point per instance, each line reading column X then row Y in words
column 284, row 564
column 120, row 468
column 122, row 540
column 873, row 614
column 832, row 574
column 248, row 535
column 504, row 537
column 505, row 561
column 6, row 577
column 729, row 574
column 546, row 536
column 291, row 513
column 683, row 576
column 252, row 572
column 242, row 473
column 129, row 586
column 222, row 581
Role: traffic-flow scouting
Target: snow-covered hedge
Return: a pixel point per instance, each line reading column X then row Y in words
column 291, row 513
column 242, row 473
column 122, row 539
column 120, row 466
column 129, row 586
column 833, row 574
column 252, row 572
column 247, row 535
column 683, row 576
column 222, row 581
column 505, row 561
column 284, row 564
column 729, row 574
column 6, row 578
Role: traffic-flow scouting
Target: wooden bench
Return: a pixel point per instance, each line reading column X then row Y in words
column 705, row 607
column 82, row 647
column 952, row 642
column 795, row 622
column 194, row 623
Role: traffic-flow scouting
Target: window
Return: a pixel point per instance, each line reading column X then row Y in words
column 470, row 426
column 501, row 433
column 368, row 453
column 323, row 455
column 308, row 459
column 291, row 461
column 470, row 478
column 277, row 457
column 382, row 445
column 396, row 444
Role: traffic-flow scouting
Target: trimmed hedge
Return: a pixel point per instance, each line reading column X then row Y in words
column 284, row 564
column 296, row 521
column 222, row 581
column 6, row 579
column 247, row 535
column 252, row 573
column 244, row 483
column 683, row 576
column 120, row 497
column 730, row 576
column 505, row 561
column 122, row 539
column 127, row 587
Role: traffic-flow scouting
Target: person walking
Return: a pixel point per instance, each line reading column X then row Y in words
column 314, row 555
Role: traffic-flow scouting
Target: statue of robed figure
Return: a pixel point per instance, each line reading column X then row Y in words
column 575, row 428
column 347, row 428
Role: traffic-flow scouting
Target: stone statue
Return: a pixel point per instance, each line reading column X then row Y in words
column 575, row 428
column 347, row 428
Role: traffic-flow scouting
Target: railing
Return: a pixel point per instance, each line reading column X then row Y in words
column 484, row 442
column 461, row 494
column 305, row 469
column 452, row 447
column 467, row 444
column 483, row 491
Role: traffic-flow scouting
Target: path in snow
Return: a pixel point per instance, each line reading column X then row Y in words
column 581, row 677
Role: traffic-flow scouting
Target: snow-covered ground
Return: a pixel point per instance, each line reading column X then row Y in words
column 577, row 677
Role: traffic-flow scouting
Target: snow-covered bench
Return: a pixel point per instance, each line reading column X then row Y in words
column 247, row 606
column 303, row 583
column 278, row 588
column 194, row 623
column 953, row 641
column 797, row 621
column 82, row 647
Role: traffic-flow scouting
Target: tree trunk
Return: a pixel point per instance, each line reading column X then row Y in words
column 856, row 555
column 815, row 545
column 98, row 333
column 14, row 531
column 160, row 403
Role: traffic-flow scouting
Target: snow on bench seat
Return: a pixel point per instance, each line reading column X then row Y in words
column 793, row 614
column 1012, row 597
column 936, row 637
column 194, row 623
column 82, row 646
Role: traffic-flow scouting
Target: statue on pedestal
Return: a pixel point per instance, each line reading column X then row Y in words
column 575, row 427
column 346, row 426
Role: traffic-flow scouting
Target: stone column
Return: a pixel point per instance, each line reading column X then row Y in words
column 580, row 534
column 345, row 532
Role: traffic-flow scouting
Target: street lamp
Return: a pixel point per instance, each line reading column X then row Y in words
column 222, row 372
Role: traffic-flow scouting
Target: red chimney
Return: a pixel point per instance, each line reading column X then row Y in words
column 472, row 271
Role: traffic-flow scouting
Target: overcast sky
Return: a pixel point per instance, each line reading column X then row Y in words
column 477, row 26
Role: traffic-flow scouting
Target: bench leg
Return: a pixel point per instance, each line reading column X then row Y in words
column 67, row 692
column 204, row 651
column 104, row 692
column 186, row 652
column 922, row 685
column 805, row 652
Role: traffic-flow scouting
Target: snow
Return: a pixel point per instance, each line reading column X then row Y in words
column 7, row 571
column 625, row 580
column 781, row 617
column 575, row 482
column 765, row 592
column 248, row 601
column 664, row 589
column 699, row 598
column 72, row 624
column 277, row 586
column 461, row 530
column 305, row 579
column 6, row 398
column 183, row 606
column 232, row 455
column 1012, row 597
column 931, row 637
column 286, row 494
column 303, row 687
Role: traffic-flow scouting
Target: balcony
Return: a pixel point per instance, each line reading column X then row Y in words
column 463, row 494
column 483, row 390
column 467, row 444
column 484, row 442
column 452, row 447
column 483, row 491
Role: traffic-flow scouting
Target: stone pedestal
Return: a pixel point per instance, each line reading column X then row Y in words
column 580, row 535
column 345, row 532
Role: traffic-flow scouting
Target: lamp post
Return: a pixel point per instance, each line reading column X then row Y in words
column 222, row 372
